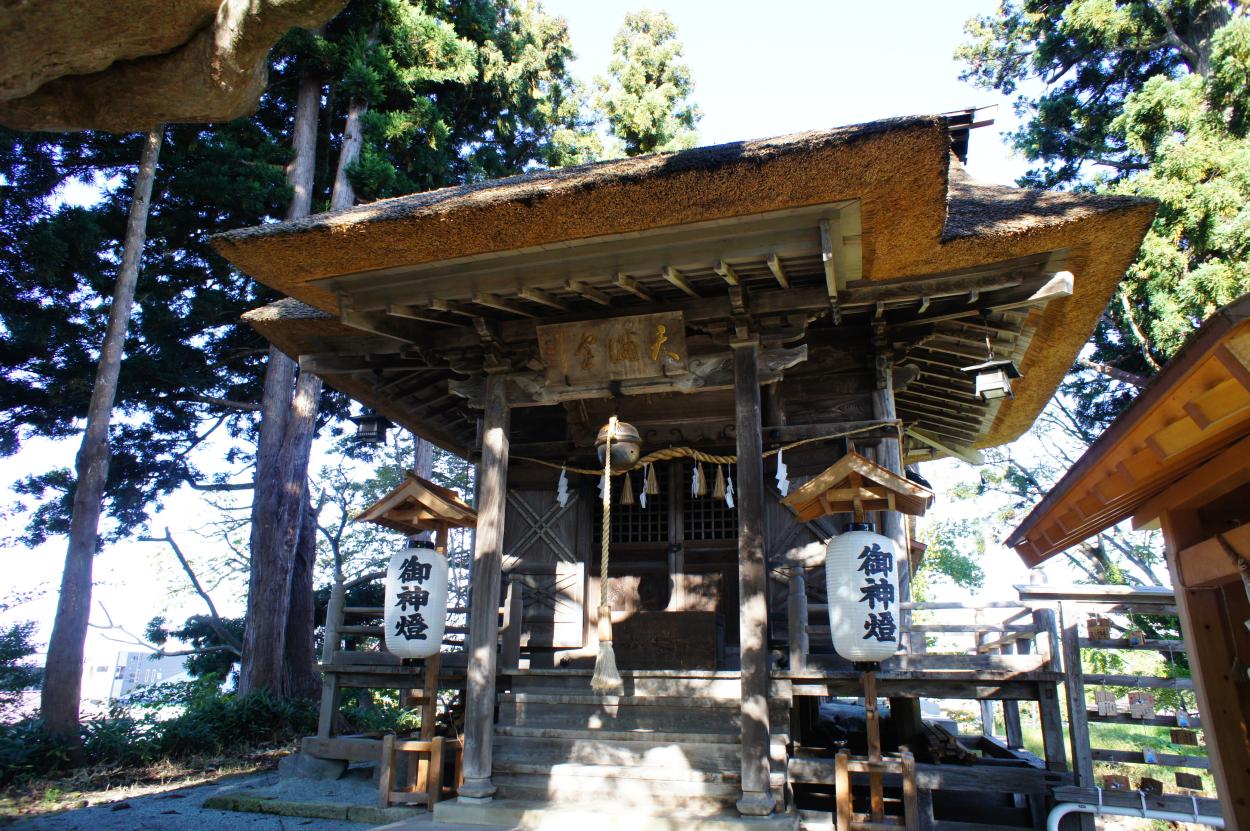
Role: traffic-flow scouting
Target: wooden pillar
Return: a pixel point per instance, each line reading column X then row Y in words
column 904, row 712
column 1213, row 625
column 1074, row 685
column 479, row 711
column 796, row 617
column 757, row 798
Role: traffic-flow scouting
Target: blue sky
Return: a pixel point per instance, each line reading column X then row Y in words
column 766, row 69
column 760, row 70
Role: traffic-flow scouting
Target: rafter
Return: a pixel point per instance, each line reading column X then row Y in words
column 679, row 280
column 727, row 273
column 494, row 301
column 631, row 285
column 774, row 265
column 543, row 299
column 583, row 289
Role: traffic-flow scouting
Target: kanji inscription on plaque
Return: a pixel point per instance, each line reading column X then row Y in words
column 613, row 349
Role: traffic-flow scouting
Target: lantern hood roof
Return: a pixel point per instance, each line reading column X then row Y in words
column 617, row 237
column 419, row 505
column 854, row 484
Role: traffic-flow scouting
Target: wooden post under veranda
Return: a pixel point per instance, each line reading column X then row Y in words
column 484, row 582
column 757, row 798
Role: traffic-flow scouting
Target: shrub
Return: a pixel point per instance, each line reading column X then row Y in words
column 168, row 721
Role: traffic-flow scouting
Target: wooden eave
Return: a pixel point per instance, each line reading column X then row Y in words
column 417, row 505
column 855, row 484
column 872, row 225
column 1195, row 409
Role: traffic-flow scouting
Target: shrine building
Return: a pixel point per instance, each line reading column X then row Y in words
column 846, row 297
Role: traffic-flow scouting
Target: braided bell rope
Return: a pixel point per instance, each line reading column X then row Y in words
column 699, row 456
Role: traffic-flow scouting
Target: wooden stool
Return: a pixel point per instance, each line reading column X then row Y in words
column 429, row 755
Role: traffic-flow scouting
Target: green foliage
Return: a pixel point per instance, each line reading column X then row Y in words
column 17, row 673
column 199, row 633
column 1138, row 98
column 456, row 92
column 169, row 721
column 954, row 549
column 645, row 96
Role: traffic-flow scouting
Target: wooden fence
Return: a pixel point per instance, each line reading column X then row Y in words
column 1075, row 605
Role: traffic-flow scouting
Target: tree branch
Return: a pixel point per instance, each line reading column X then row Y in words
column 218, row 626
column 245, row 406
column 219, row 486
column 1137, row 332
column 1114, row 373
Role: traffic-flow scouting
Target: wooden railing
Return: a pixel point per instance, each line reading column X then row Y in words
column 1075, row 605
column 1002, row 637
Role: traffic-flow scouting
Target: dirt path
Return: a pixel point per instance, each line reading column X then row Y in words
column 180, row 809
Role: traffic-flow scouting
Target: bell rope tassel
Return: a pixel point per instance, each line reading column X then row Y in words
column 627, row 491
column 653, row 483
column 718, row 489
column 606, row 677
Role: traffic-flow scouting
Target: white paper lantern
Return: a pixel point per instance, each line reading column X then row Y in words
column 862, row 582
column 416, row 602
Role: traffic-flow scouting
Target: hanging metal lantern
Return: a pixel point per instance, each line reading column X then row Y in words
column 371, row 428
column 416, row 601
column 993, row 378
column 862, row 582
column 626, row 445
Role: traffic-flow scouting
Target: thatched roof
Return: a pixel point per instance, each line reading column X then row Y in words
column 920, row 215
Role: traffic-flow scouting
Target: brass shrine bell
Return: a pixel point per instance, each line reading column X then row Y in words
column 626, row 445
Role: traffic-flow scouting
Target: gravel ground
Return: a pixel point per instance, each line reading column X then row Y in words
column 181, row 809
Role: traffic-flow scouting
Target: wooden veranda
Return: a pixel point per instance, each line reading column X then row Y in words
column 756, row 311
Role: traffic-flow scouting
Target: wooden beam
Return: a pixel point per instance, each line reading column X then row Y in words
column 543, row 298
column 678, row 279
column 835, row 279
column 868, row 292
column 380, row 323
column 727, row 273
column 757, row 798
column 452, row 307
column 580, row 287
column 485, row 580
column 631, row 285
column 774, row 265
column 494, row 301
column 321, row 363
column 417, row 313
column 968, row 454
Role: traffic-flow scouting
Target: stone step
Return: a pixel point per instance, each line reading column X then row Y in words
column 538, row 816
column 708, row 685
column 689, row 755
column 691, row 750
column 528, row 710
column 564, row 788
column 669, row 770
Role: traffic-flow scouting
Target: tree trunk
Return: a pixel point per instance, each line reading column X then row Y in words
column 273, row 638
column 277, row 517
column 301, row 170
column 302, row 679
column 353, row 139
column 62, row 683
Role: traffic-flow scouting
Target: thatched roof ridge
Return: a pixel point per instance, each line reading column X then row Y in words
column 980, row 209
column 541, row 183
